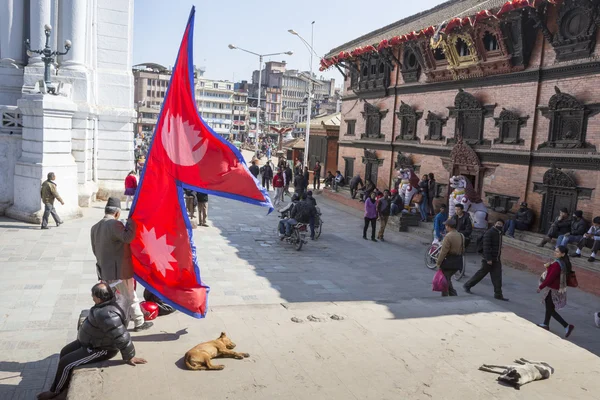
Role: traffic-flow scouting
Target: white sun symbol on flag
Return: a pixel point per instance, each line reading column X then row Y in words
column 158, row 250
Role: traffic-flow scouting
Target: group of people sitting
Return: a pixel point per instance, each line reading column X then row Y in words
column 574, row 229
column 302, row 209
column 334, row 181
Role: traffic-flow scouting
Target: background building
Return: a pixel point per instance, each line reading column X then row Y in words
column 508, row 102
column 215, row 103
column 85, row 133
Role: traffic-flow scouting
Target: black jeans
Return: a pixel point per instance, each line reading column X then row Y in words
column 495, row 271
column 316, row 182
column 73, row 355
column 373, row 222
column 448, row 273
column 49, row 209
column 266, row 182
column 551, row 312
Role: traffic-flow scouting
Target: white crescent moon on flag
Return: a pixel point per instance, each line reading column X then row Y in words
column 182, row 142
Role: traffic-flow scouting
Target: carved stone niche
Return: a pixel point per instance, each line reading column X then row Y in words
column 411, row 63
column 568, row 122
column 435, row 126
column 519, row 36
column 509, row 124
column 408, row 122
column 501, row 203
column 576, row 35
column 469, row 114
column 373, row 116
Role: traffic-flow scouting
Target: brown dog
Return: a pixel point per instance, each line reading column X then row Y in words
column 199, row 357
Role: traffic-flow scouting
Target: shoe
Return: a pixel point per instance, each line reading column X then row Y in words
column 542, row 243
column 59, row 223
column 543, row 326
column 500, row 298
column 205, row 224
column 569, row 331
column 575, row 255
column 364, row 237
column 511, row 236
column 312, row 238
column 143, row 327
column 373, row 239
column 382, row 239
column 282, row 238
column 467, row 289
column 591, row 259
column 45, row 227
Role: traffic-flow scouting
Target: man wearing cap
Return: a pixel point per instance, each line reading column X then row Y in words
column 110, row 244
column 579, row 227
column 521, row 221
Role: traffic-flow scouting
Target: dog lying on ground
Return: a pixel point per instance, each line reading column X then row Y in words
column 518, row 375
column 199, row 357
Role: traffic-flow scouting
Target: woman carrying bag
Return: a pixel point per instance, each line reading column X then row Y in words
column 553, row 286
column 450, row 258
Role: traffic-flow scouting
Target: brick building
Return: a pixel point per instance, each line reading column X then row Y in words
column 504, row 93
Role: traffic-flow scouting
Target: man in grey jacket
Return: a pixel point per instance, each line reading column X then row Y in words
column 110, row 244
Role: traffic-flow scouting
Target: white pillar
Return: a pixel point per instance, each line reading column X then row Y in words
column 40, row 14
column 72, row 20
column 11, row 33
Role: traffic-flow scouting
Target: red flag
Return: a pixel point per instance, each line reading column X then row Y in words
column 184, row 153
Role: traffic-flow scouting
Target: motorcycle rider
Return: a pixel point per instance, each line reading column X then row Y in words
column 304, row 212
column 285, row 212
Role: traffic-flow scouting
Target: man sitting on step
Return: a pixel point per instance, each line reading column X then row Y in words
column 590, row 240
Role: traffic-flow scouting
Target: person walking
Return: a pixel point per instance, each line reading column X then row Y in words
column 289, row 176
column 278, row 186
column 299, row 184
column 202, row 208
column 317, row 176
column 370, row 217
column 490, row 262
column 130, row 187
column 450, row 258
column 267, row 175
column 306, row 176
column 424, row 190
column 49, row 194
column 384, row 207
column 110, row 244
column 553, row 286
column 254, row 170
column 431, row 193
column 439, row 227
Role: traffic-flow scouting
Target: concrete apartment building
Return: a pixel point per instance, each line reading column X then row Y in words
column 216, row 100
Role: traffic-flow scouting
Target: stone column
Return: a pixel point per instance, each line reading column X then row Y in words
column 11, row 33
column 40, row 14
column 72, row 20
column 46, row 147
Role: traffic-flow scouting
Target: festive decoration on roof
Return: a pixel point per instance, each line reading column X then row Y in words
column 432, row 32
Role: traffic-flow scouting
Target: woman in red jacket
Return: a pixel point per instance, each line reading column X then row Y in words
column 130, row 187
column 553, row 285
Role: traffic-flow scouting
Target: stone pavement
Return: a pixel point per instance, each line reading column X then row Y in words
column 46, row 276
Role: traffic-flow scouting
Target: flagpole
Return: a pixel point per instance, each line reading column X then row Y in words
column 260, row 60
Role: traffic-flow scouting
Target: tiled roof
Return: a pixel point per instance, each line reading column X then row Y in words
column 326, row 120
column 438, row 14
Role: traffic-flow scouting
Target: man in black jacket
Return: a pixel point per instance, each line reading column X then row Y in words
column 305, row 212
column 101, row 336
column 464, row 224
column 560, row 226
column 490, row 263
column 579, row 227
column 521, row 221
column 288, row 176
column 354, row 183
column 267, row 174
column 384, row 207
column 254, row 170
column 299, row 184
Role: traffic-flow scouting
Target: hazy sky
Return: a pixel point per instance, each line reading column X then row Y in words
column 259, row 26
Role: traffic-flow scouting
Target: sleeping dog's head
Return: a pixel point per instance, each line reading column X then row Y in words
column 226, row 341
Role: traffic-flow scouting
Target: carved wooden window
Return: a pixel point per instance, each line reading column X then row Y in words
column 411, row 67
column 439, row 55
column 435, row 126
column 501, row 203
column 509, row 124
column 408, row 122
column 568, row 122
column 375, row 73
column 469, row 114
column 372, row 116
column 576, row 36
column 462, row 49
column 350, row 127
column 490, row 42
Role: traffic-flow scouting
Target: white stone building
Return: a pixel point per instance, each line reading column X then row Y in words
column 85, row 133
column 215, row 103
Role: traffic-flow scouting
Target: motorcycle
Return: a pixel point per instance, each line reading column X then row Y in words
column 298, row 235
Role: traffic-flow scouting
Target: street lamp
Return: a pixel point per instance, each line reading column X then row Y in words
column 310, row 84
column 260, row 60
column 48, row 57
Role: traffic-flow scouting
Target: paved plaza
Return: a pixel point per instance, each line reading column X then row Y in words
column 382, row 291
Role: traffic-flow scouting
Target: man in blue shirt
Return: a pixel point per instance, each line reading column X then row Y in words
column 439, row 229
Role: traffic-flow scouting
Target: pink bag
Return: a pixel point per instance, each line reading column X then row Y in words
column 439, row 284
